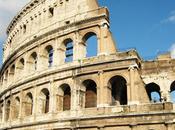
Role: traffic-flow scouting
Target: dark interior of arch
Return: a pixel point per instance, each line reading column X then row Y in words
column 91, row 93
column 46, row 101
column 152, row 87
column 119, row 90
column 66, row 98
column 49, row 50
column 29, row 104
column 172, row 87
column 91, row 44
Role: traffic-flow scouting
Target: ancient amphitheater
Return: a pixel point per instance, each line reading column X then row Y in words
column 47, row 81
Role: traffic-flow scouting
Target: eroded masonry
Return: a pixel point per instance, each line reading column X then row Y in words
column 48, row 81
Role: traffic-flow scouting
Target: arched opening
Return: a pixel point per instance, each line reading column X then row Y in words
column 68, row 50
column 6, row 77
column 91, row 42
column 172, row 92
column 20, row 67
column 64, row 98
column 28, row 106
column 118, row 87
column 12, row 73
column 7, row 110
column 90, row 94
column 153, row 91
column 49, row 55
column 33, row 62
column 16, row 108
column 44, row 100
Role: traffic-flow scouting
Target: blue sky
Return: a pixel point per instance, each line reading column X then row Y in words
column 147, row 25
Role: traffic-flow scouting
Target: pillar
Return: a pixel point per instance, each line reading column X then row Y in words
column 52, row 105
column 21, row 104
column 106, row 45
column 56, row 55
column 133, row 86
column 35, row 103
column 3, row 113
column 103, row 91
column 79, row 47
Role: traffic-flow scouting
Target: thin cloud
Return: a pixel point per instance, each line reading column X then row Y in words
column 8, row 9
column 170, row 19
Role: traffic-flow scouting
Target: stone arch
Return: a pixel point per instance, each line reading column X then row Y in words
column 153, row 91
column 32, row 62
column 16, row 107
column 6, row 76
column 20, row 67
column 68, row 50
column 90, row 93
column 172, row 91
column 48, row 55
column 91, row 41
column 7, row 110
column 12, row 73
column 28, row 104
column 64, row 97
column 44, row 100
column 118, row 85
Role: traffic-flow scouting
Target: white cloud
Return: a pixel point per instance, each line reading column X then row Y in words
column 172, row 50
column 8, row 9
column 170, row 19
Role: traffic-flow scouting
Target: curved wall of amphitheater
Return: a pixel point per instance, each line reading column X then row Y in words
column 48, row 81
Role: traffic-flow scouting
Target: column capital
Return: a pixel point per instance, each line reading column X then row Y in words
column 132, row 67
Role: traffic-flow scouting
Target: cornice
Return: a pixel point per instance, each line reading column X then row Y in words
column 28, row 7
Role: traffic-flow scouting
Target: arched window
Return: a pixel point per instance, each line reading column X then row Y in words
column 6, row 76
column 16, row 107
column 69, row 50
column 172, row 92
column 64, row 98
column 118, row 87
column 44, row 100
column 90, row 94
column 20, row 67
column 153, row 91
column 90, row 40
column 28, row 106
column 21, row 64
column 7, row 110
column 49, row 55
column 12, row 73
column 33, row 61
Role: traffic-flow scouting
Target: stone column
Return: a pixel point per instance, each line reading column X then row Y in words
column 52, row 105
column 56, row 55
column 103, row 91
column 35, row 102
column 133, row 87
column 106, row 44
column 42, row 63
column 3, row 113
column 79, row 47
column 21, row 104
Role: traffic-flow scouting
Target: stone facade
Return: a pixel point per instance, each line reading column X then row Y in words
column 49, row 83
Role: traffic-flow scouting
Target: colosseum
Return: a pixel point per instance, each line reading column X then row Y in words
column 49, row 82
